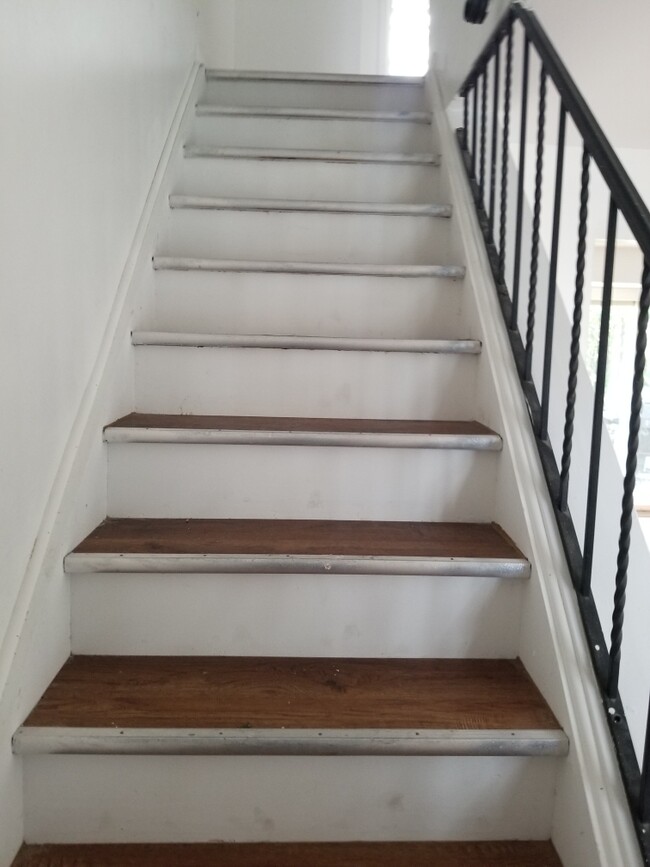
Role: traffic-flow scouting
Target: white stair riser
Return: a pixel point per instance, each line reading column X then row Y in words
column 345, row 135
column 295, row 615
column 176, row 480
column 105, row 799
column 331, row 306
column 327, row 384
column 310, row 179
column 311, row 237
column 288, row 94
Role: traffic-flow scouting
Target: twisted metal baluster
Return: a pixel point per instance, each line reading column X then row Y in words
column 520, row 187
column 534, row 253
column 599, row 403
column 465, row 121
column 474, row 125
column 504, row 156
column 628, row 486
column 572, row 384
column 493, row 149
column 484, row 87
column 552, row 279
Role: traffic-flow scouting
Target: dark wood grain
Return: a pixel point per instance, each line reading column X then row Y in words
column 492, row 854
column 247, row 536
column 274, row 692
column 281, row 423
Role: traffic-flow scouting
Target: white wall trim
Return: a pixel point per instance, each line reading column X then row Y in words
column 584, row 720
column 84, row 428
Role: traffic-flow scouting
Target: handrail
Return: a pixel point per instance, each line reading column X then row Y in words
column 487, row 93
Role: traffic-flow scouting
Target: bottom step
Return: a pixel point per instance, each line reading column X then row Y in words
column 494, row 854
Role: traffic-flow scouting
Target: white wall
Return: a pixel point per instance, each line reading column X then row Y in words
column 346, row 36
column 455, row 44
column 88, row 90
column 605, row 48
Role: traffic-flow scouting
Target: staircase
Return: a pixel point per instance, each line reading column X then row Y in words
column 298, row 628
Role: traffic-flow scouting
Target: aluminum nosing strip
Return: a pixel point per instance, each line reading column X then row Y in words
column 311, row 77
column 188, row 263
column 291, row 564
column 302, row 342
column 210, row 110
column 310, row 155
column 335, row 742
column 208, row 203
column 352, row 439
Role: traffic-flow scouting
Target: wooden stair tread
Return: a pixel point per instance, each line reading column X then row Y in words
column 265, row 423
column 294, row 693
column 488, row 854
column 266, row 536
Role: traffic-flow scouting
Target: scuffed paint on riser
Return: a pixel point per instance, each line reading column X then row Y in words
column 241, row 798
column 305, row 179
column 313, row 237
column 336, row 306
column 178, row 480
column 295, row 615
column 304, row 383
column 360, row 135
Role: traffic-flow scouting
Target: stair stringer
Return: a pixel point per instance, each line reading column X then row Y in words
column 592, row 823
column 37, row 640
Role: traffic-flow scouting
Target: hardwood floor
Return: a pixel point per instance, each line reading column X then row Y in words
column 252, row 692
column 249, row 536
column 264, row 423
column 492, row 854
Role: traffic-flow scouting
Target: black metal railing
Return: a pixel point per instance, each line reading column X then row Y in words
column 496, row 105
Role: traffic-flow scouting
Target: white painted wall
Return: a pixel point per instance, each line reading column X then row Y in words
column 88, row 91
column 455, row 44
column 345, row 36
column 605, row 48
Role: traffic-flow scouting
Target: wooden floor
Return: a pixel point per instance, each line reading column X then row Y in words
column 268, row 692
column 494, row 854
column 248, row 536
column 330, row 425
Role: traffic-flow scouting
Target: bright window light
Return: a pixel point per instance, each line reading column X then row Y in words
column 408, row 38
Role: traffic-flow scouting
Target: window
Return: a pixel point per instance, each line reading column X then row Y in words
column 408, row 39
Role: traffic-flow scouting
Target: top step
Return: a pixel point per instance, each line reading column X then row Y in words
column 308, row 90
